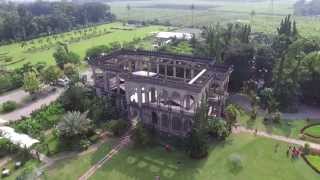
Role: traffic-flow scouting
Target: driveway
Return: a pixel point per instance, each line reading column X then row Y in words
column 16, row 95
column 29, row 108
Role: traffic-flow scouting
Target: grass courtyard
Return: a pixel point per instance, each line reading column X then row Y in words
column 288, row 128
column 259, row 159
column 75, row 167
column 116, row 33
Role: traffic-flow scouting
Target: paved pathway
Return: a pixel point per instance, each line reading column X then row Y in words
column 124, row 141
column 29, row 108
column 276, row 137
column 304, row 110
column 17, row 95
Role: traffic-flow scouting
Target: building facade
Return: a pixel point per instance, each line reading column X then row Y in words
column 162, row 89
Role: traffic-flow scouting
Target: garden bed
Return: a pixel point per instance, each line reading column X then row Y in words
column 312, row 130
column 313, row 161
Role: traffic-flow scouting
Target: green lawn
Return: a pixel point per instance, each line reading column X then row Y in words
column 289, row 128
column 75, row 167
column 314, row 160
column 313, row 130
column 16, row 52
column 259, row 159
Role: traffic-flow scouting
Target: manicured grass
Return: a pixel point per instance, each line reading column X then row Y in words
column 289, row 128
column 29, row 166
column 314, row 160
column 120, row 35
column 313, row 130
column 259, row 159
column 75, row 167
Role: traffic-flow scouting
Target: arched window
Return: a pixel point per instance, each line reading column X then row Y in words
column 187, row 125
column 176, row 123
column 164, row 121
column 154, row 118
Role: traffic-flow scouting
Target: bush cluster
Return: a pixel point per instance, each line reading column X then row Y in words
column 9, row 106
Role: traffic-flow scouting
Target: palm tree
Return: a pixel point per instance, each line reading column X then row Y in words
column 128, row 11
column 74, row 124
column 252, row 14
column 192, row 7
column 215, row 41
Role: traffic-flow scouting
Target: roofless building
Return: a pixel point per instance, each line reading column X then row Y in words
column 163, row 89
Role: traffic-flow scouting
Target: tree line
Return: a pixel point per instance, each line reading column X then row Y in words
column 28, row 20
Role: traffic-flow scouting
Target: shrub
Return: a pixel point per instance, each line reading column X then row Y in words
column 9, row 106
column 277, row 117
column 197, row 145
column 219, row 128
column 84, row 144
column 118, row 127
column 141, row 136
column 236, row 163
column 306, row 149
column 6, row 147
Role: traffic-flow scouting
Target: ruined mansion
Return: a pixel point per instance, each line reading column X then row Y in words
column 162, row 89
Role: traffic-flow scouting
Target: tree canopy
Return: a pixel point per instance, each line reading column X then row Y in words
column 28, row 20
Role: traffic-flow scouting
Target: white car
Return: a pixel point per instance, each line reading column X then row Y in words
column 63, row 82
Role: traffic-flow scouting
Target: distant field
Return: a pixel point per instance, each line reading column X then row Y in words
column 113, row 32
column 178, row 13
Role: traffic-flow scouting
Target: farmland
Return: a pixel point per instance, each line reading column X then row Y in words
column 211, row 12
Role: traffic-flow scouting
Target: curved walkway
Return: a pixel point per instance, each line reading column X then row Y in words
column 241, row 129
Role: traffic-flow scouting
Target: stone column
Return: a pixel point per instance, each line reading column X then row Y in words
column 146, row 96
column 94, row 74
column 185, row 74
column 130, row 66
column 118, row 83
column 188, row 103
column 192, row 72
column 139, row 96
column 106, row 81
column 149, row 69
column 153, row 95
column 165, row 71
column 158, row 68
column 174, row 69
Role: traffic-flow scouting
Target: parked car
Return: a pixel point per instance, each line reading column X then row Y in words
column 63, row 82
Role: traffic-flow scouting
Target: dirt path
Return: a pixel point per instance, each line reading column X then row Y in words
column 242, row 129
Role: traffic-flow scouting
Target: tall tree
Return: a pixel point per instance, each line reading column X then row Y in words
column 51, row 74
column 31, row 83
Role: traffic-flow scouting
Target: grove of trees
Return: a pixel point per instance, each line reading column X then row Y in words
column 25, row 21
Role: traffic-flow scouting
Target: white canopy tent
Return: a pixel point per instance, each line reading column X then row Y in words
column 22, row 140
